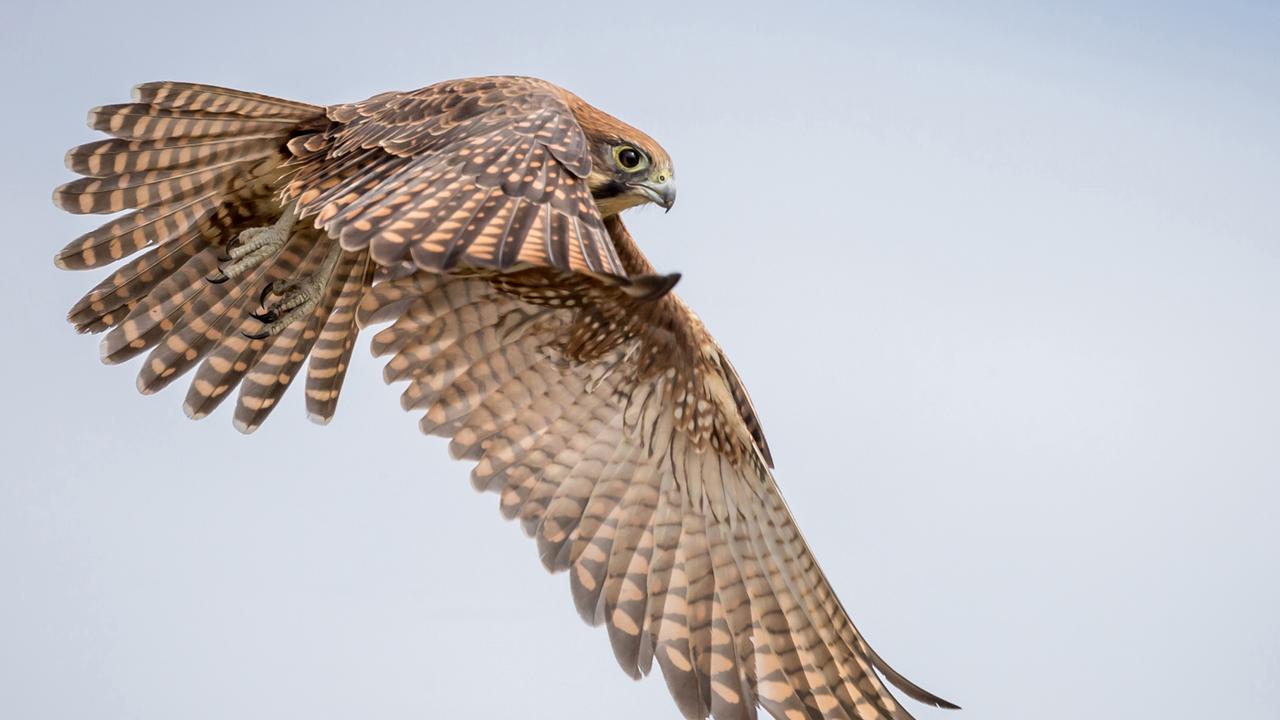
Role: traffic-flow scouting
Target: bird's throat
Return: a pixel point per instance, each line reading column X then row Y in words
column 612, row 197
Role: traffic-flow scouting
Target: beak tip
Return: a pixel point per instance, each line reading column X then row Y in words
column 661, row 194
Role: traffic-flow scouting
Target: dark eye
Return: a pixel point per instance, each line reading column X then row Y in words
column 628, row 157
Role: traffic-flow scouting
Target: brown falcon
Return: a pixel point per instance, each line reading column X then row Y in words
column 480, row 218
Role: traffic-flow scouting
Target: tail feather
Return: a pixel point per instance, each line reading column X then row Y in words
column 105, row 158
column 101, row 322
column 237, row 353
column 199, row 164
column 144, row 189
column 332, row 352
column 125, row 288
column 136, row 121
column 129, row 234
column 156, row 315
column 220, row 373
column 212, row 99
column 271, row 375
column 217, row 310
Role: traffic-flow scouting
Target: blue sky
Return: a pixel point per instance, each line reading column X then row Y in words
column 1002, row 281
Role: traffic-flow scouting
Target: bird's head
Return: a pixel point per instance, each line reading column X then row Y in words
column 630, row 171
column 628, row 168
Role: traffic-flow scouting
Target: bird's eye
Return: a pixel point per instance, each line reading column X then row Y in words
column 629, row 158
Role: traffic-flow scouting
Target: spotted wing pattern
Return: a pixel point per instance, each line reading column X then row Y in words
column 195, row 165
column 486, row 172
column 610, row 424
column 592, row 401
column 482, row 172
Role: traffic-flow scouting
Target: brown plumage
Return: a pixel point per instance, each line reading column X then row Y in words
column 482, row 172
column 479, row 217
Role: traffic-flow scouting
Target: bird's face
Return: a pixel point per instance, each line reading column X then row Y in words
column 626, row 173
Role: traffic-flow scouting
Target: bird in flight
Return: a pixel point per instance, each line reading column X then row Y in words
column 480, row 219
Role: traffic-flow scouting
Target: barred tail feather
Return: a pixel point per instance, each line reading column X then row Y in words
column 196, row 165
column 143, row 189
column 155, row 316
column 273, row 369
column 219, row 374
column 121, row 291
column 137, row 121
column 212, row 99
column 218, row 309
column 126, row 235
column 332, row 352
column 105, row 158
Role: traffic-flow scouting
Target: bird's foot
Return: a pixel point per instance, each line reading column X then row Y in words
column 253, row 246
column 287, row 300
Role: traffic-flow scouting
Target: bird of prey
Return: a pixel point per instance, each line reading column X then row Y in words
column 480, row 218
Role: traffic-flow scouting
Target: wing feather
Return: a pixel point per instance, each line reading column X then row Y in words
column 455, row 174
column 613, row 428
column 531, row 332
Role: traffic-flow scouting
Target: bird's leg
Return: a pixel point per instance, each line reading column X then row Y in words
column 294, row 297
column 253, row 246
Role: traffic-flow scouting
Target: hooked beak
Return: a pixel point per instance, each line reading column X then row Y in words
column 659, row 193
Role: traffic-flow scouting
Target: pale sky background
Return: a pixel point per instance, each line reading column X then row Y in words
column 1002, row 281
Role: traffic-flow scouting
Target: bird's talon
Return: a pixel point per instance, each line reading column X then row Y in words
column 294, row 298
column 252, row 246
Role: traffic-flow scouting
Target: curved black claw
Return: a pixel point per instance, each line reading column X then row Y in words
column 260, row 335
column 262, row 296
column 218, row 279
column 266, row 318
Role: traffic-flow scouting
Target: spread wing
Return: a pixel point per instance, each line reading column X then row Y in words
column 595, row 404
column 486, row 172
column 612, row 426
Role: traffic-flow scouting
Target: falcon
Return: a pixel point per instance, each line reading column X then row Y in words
column 478, row 219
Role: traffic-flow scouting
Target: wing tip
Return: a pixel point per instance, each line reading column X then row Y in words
column 649, row 288
column 910, row 689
